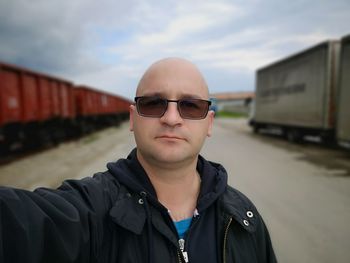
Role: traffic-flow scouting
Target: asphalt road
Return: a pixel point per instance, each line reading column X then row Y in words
column 302, row 191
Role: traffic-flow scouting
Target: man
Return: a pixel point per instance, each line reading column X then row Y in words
column 164, row 203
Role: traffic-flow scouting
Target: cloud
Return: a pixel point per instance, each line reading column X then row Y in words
column 35, row 36
column 189, row 21
column 108, row 44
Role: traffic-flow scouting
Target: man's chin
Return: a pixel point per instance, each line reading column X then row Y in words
column 169, row 157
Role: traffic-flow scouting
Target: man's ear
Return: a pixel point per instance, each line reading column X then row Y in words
column 131, row 117
column 210, row 117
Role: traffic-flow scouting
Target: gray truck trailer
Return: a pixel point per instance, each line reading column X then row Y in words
column 300, row 95
column 343, row 111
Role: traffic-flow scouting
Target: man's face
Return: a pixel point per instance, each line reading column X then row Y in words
column 171, row 139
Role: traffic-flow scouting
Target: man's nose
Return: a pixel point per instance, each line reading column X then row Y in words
column 172, row 115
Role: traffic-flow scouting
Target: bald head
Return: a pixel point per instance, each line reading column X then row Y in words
column 167, row 72
column 168, row 135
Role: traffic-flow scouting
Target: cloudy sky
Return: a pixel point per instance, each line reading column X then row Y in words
column 108, row 44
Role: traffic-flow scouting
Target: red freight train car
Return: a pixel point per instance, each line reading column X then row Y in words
column 90, row 101
column 96, row 108
column 37, row 108
column 33, row 106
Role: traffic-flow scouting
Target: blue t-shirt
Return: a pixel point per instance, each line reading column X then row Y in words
column 182, row 226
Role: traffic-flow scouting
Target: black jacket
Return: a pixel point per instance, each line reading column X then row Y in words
column 115, row 217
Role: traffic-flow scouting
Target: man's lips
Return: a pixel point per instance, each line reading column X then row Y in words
column 170, row 137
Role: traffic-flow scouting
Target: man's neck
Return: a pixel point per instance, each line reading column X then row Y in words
column 177, row 188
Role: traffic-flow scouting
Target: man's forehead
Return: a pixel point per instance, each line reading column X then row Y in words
column 174, row 90
column 175, row 95
column 173, row 76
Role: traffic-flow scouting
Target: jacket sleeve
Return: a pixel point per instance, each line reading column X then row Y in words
column 62, row 225
column 264, row 245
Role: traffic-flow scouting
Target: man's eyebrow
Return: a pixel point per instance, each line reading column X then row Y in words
column 153, row 94
column 190, row 96
column 162, row 95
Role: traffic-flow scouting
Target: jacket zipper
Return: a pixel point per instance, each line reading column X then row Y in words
column 225, row 239
column 182, row 249
column 181, row 242
column 179, row 256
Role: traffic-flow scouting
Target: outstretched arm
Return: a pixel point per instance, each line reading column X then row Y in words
column 63, row 225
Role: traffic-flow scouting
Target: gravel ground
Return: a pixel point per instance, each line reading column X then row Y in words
column 69, row 160
column 90, row 154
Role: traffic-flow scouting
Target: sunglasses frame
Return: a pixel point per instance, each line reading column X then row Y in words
column 166, row 107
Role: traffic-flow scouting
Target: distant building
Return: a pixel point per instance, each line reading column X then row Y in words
column 235, row 102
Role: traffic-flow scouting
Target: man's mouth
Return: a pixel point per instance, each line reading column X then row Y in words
column 169, row 137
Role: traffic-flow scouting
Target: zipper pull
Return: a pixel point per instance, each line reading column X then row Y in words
column 182, row 248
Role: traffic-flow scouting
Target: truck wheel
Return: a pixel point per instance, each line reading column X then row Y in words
column 294, row 136
column 328, row 140
column 256, row 128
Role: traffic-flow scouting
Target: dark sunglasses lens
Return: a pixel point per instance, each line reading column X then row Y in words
column 193, row 108
column 151, row 106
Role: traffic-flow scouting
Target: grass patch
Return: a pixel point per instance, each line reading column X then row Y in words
column 226, row 114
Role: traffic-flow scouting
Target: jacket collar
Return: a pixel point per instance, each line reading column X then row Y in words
column 130, row 214
column 128, row 211
column 237, row 206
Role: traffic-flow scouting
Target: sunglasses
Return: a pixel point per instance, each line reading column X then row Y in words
column 155, row 107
